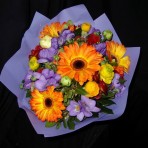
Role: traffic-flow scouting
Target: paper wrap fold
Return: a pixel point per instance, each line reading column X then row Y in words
column 15, row 69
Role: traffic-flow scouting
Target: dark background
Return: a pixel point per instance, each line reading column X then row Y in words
column 129, row 18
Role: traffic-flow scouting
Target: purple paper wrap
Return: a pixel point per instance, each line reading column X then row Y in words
column 11, row 78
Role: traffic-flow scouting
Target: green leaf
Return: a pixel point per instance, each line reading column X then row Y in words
column 106, row 110
column 65, row 123
column 78, row 32
column 28, row 93
column 106, row 102
column 110, row 95
column 122, row 81
column 58, row 125
column 70, row 123
column 65, row 98
column 80, row 91
column 77, row 120
column 95, row 114
column 114, row 63
column 50, row 124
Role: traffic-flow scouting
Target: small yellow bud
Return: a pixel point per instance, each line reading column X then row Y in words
column 85, row 27
column 33, row 63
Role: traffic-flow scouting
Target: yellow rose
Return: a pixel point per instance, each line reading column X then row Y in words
column 33, row 63
column 92, row 88
column 85, row 27
column 106, row 73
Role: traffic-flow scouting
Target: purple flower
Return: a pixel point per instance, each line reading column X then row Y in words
column 92, row 30
column 101, row 47
column 46, row 55
column 27, row 80
column 82, row 108
column 117, row 85
column 48, row 73
column 41, row 83
column 54, row 43
column 57, row 77
column 65, row 33
column 61, row 40
column 69, row 36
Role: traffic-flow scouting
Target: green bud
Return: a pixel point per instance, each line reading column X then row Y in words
column 69, row 22
column 21, row 86
column 107, row 34
column 66, row 81
column 48, row 65
column 56, row 57
column 33, row 78
column 65, row 26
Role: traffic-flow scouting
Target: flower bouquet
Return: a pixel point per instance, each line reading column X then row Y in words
column 72, row 71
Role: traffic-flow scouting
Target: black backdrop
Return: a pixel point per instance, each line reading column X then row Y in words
column 129, row 20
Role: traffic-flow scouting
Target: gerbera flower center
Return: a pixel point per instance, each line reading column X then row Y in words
column 48, row 102
column 78, row 64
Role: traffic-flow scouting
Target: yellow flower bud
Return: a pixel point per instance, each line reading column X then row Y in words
column 106, row 73
column 85, row 27
column 92, row 88
column 33, row 63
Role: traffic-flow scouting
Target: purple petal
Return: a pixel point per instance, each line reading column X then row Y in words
column 54, row 43
column 69, row 36
column 37, row 75
column 80, row 116
column 57, row 77
column 46, row 73
column 87, row 113
column 95, row 109
column 42, row 60
column 65, row 32
column 92, row 30
column 40, row 85
column 51, row 52
column 51, row 73
column 61, row 40
column 28, row 75
column 51, row 81
column 27, row 85
column 89, row 102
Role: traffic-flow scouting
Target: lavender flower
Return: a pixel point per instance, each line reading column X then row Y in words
column 41, row 83
column 46, row 55
column 82, row 108
column 92, row 30
column 66, row 35
column 54, row 43
column 61, row 40
column 101, row 47
column 117, row 85
column 27, row 80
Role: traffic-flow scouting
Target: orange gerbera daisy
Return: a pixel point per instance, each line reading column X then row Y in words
column 47, row 105
column 52, row 30
column 79, row 62
column 117, row 51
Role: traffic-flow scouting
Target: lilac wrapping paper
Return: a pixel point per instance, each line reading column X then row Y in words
column 16, row 67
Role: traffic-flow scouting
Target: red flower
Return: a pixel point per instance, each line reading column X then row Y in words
column 35, row 52
column 93, row 38
column 103, row 87
column 96, row 77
